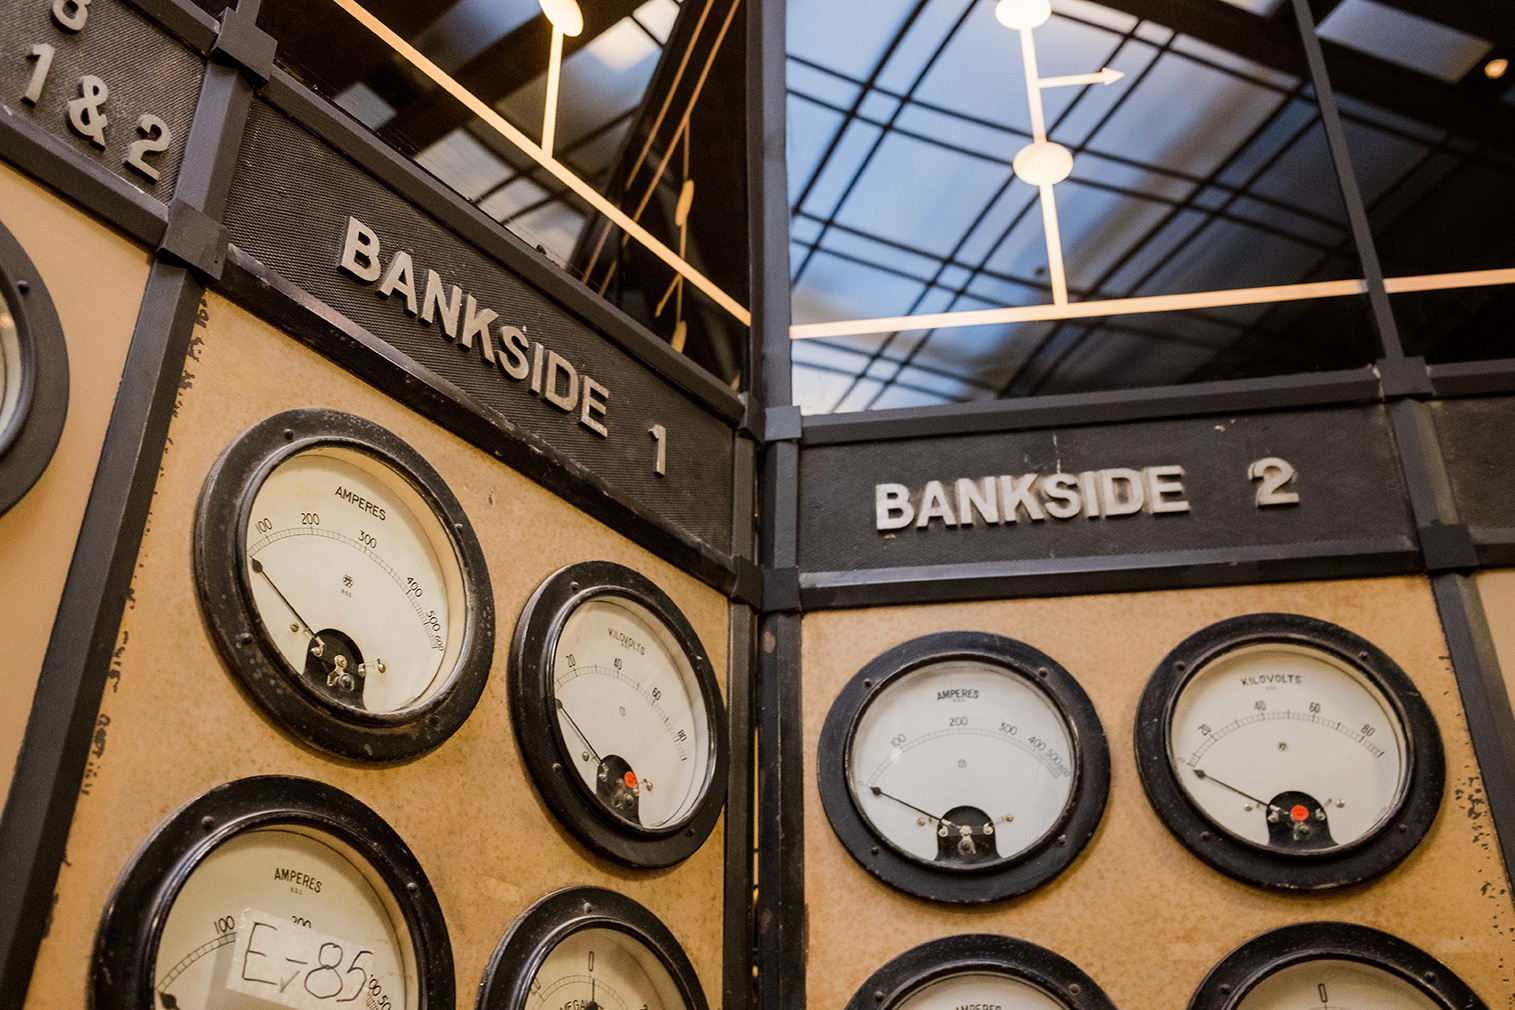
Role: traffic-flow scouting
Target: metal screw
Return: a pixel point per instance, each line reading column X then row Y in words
column 245, row 638
column 874, row 850
column 1225, row 987
column 207, row 822
column 23, row 286
column 588, row 908
column 412, row 886
column 289, row 434
column 1062, row 839
column 1041, row 671
column 1205, row 836
column 878, row 996
column 868, row 684
column 1075, row 989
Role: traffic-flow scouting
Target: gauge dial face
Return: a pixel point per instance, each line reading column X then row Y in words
column 979, row 989
column 1289, row 749
column 962, row 763
column 11, row 371
column 603, row 969
column 630, row 712
column 1335, row 985
column 301, row 883
column 355, row 580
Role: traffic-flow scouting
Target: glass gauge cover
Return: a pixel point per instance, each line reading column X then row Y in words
column 1332, row 966
column 635, row 759
column 278, row 889
column 963, row 766
column 33, row 373
column 979, row 970
column 589, row 947
column 354, row 602
column 1288, row 752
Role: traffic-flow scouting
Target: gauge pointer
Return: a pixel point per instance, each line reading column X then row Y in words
column 875, row 790
column 257, row 567
column 615, row 781
column 1201, row 773
column 589, row 746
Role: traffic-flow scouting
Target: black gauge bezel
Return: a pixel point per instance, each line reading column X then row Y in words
column 28, row 441
column 1398, row 833
column 979, row 953
column 549, row 758
column 222, row 578
column 1229, row 982
column 552, row 919
column 1035, row 865
column 126, row 946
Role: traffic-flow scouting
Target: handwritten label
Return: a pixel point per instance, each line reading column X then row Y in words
column 293, row 965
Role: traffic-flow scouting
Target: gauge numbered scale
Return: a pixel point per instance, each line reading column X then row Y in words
column 1332, row 966
column 963, row 766
column 345, row 585
column 588, row 948
column 634, row 757
column 273, row 891
column 33, row 374
column 1289, row 752
column 980, row 970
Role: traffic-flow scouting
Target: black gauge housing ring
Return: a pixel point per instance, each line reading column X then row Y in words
column 1398, row 833
column 973, row 953
column 1049, row 856
column 1229, row 982
column 222, row 517
column 126, row 946
column 547, row 923
column 28, row 441
column 548, row 756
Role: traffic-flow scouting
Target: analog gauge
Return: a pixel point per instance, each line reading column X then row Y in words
column 963, row 766
column 980, row 970
column 591, row 949
column 1289, row 752
column 273, row 891
column 333, row 560
column 1332, row 966
column 635, row 759
column 33, row 374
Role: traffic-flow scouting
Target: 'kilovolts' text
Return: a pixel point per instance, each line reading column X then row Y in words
column 1272, row 678
column 628, row 642
column 1031, row 497
column 361, row 502
column 463, row 320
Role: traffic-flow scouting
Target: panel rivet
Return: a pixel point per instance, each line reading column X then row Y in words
column 207, row 823
column 23, row 286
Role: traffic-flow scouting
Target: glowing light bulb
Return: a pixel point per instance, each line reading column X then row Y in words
column 1023, row 13
column 1044, row 163
column 1495, row 69
column 564, row 15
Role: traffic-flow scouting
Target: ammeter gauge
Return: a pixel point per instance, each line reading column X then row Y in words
column 344, row 584
column 33, row 374
column 980, row 970
column 273, row 891
column 1289, row 752
column 963, row 766
column 634, row 754
column 592, row 949
column 1332, row 966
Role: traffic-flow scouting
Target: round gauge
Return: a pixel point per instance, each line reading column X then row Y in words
column 635, row 759
column 1289, row 752
column 963, row 766
column 33, row 373
column 273, row 891
column 345, row 585
column 979, row 970
column 590, row 949
column 1332, row 966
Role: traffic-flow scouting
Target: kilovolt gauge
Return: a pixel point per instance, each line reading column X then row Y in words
column 963, row 766
column 1289, row 752
column 1332, row 966
column 273, row 891
column 618, row 714
column 592, row 949
column 980, row 970
column 33, row 374
column 344, row 585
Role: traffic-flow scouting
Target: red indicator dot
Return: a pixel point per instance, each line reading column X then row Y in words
column 631, row 783
column 1299, row 813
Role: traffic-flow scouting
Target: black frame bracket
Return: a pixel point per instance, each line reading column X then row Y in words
column 242, row 44
column 196, row 240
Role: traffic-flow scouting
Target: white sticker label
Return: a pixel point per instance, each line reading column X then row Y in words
column 295, row 966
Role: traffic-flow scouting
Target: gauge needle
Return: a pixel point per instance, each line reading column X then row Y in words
column 592, row 752
column 875, row 790
column 1201, row 773
column 257, row 567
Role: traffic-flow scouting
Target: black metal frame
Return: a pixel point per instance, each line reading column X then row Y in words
column 550, row 758
column 1229, row 982
column 1010, row 875
column 973, row 953
column 126, row 946
column 27, row 442
column 222, row 518
column 512, row 968
column 1396, row 835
